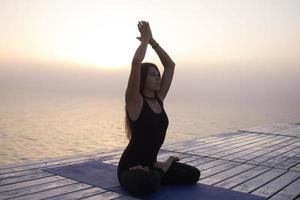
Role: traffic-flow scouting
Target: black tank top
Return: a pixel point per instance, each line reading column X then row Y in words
column 147, row 136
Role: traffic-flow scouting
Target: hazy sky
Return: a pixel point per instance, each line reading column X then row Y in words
column 103, row 32
column 217, row 45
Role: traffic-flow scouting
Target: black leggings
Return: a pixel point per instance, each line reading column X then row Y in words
column 141, row 182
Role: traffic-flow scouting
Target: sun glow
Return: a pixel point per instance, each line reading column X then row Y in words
column 72, row 33
column 102, row 34
column 96, row 56
column 98, row 45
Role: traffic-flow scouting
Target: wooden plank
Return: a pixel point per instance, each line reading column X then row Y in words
column 280, row 158
column 257, row 142
column 57, row 159
column 180, row 143
column 252, row 148
column 273, row 153
column 35, row 188
column 54, row 192
column 126, row 198
column 271, row 128
column 294, row 132
column 33, row 176
column 226, row 149
column 211, row 180
column 217, row 166
column 224, row 143
column 33, row 182
column 206, row 146
column 277, row 184
column 258, row 181
column 79, row 194
column 288, row 193
column 296, row 167
column 200, row 161
column 189, row 158
column 36, row 172
column 25, row 172
column 243, row 177
column 105, row 195
column 211, row 164
column 32, row 172
column 29, row 172
column 41, row 165
column 216, row 137
column 216, row 169
column 117, row 156
column 24, row 178
column 165, row 155
column 195, row 141
column 210, row 149
column 289, row 163
column 19, row 173
column 206, row 143
column 255, row 154
column 244, row 150
column 173, row 144
column 29, row 183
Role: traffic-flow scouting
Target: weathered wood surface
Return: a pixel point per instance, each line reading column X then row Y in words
column 263, row 161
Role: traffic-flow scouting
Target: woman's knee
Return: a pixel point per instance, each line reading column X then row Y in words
column 139, row 182
column 191, row 173
column 148, row 185
column 195, row 175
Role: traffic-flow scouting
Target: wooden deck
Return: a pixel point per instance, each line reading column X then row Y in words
column 264, row 161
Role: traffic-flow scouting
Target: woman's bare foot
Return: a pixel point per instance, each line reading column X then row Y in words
column 166, row 164
column 173, row 158
column 140, row 167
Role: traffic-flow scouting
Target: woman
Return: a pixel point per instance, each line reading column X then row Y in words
column 139, row 172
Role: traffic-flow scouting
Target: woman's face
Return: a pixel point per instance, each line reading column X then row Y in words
column 153, row 79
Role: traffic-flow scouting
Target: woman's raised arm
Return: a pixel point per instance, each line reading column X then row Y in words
column 162, row 54
column 133, row 86
column 169, row 68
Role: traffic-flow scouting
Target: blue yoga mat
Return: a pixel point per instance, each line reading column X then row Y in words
column 93, row 172
column 200, row 191
column 103, row 175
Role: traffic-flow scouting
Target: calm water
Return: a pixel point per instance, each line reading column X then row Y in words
column 34, row 128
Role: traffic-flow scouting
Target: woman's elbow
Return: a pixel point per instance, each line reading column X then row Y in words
column 171, row 64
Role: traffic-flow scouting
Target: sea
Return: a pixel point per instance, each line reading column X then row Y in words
column 34, row 128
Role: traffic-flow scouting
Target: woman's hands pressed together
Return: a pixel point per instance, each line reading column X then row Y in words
column 145, row 31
